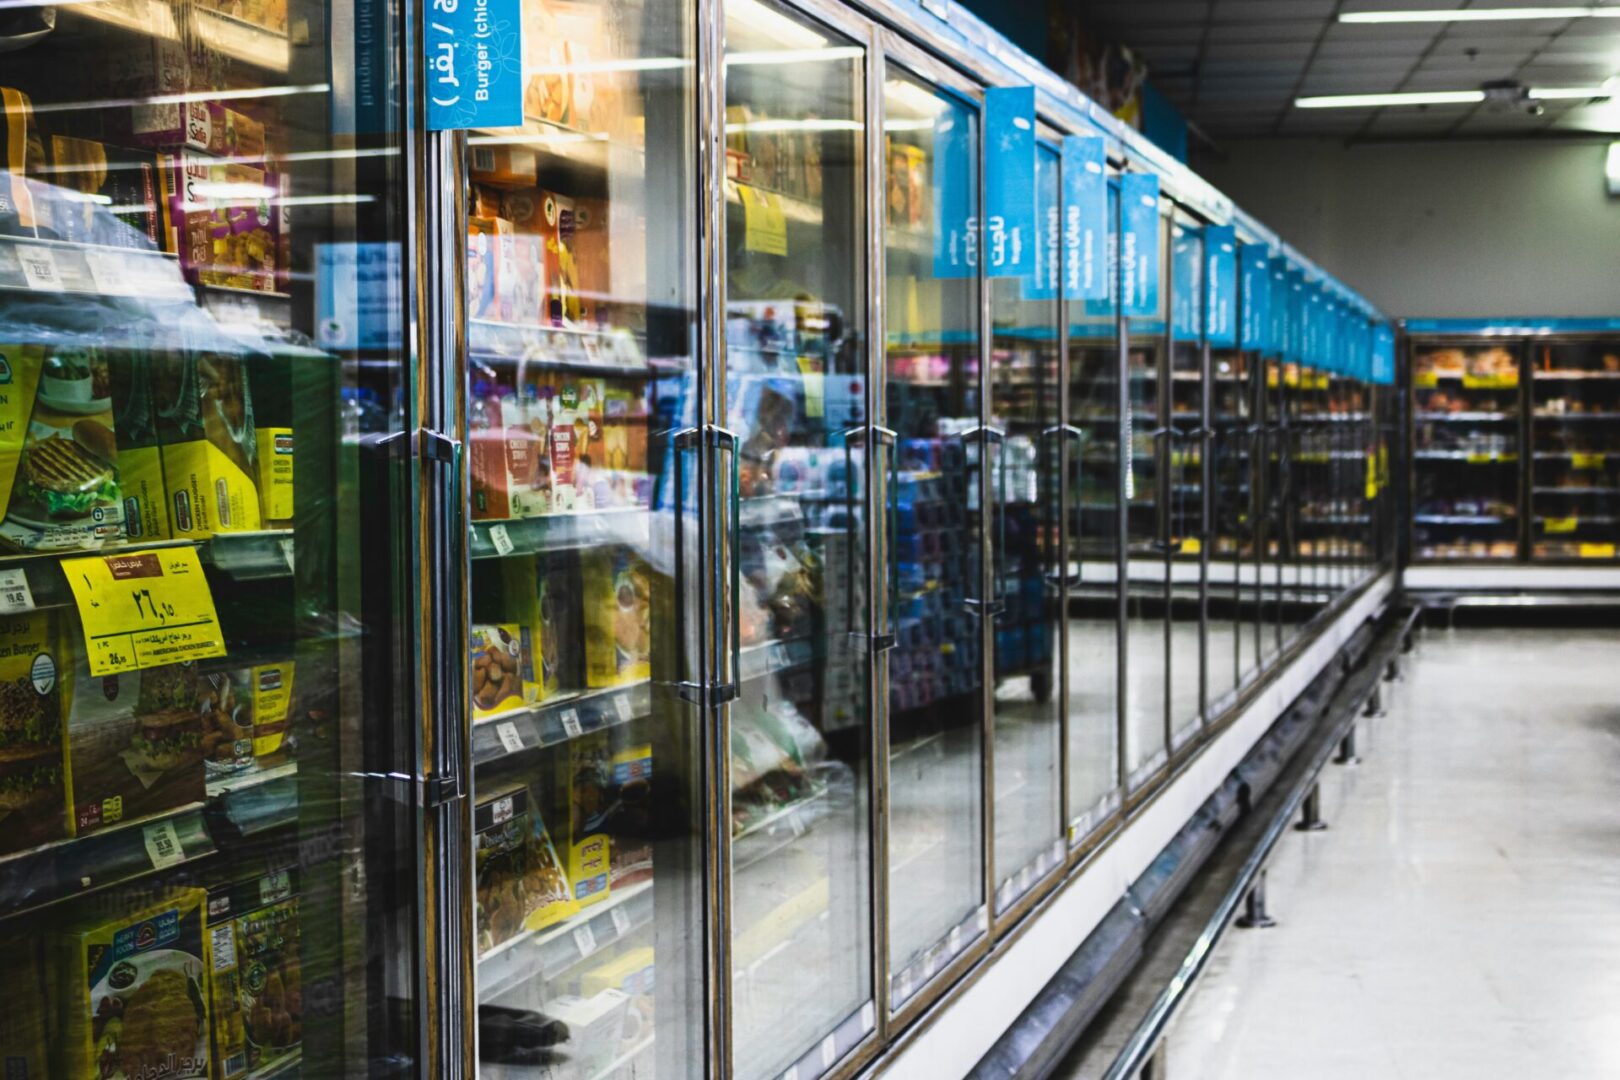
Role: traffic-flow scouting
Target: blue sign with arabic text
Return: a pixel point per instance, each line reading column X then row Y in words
column 1139, row 245
column 1009, row 181
column 1254, row 296
column 956, row 204
column 1043, row 282
column 1220, row 285
column 1085, row 218
column 1186, row 282
column 474, row 64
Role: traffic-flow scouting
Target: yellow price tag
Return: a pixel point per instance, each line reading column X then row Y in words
column 1586, row 461
column 1561, row 524
column 1371, row 485
column 764, row 224
column 1490, row 382
column 1480, row 457
column 1192, row 546
column 1597, row 551
column 144, row 609
column 1425, row 380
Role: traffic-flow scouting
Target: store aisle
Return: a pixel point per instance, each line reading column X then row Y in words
column 1459, row 919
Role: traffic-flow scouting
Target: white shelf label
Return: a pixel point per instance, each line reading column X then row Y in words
column 570, row 723
column 621, row 921
column 286, row 545
column 829, row 1051
column 511, row 741
column 954, row 941
column 622, row 704
column 39, row 267
column 107, row 268
column 14, row 594
column 162, row 844
column 585, row 938
column 498, row 537
column 796, row 823
column 224, row 946
column 868, row 1017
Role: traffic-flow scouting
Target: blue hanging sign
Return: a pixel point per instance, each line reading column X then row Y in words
column 1043, row 283
column 1294, row 329
column 474, row 64
column 1220, row 283
column 1104, row 306
column 1254, row 297
column 1186, row 281
column 1009, row 181
column 1085, row 218
column 1277, row 323
column 956, row 233
column 1139, row 245
column 1383, row 354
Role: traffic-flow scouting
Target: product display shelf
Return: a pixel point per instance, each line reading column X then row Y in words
column 606, row 351
column 1596, row 457
column 558, row 720
column 261, row 47
column 1559, row 376
column 247, row 805
column 631, row 526
column 56, row 267
column 1463, row 417
column 794, row 209
column 1472, row 457
column 777, row 830
column 773, row 658
column 566, row 156
column 549, row 952
column 1557, row 417
column 1459, row 519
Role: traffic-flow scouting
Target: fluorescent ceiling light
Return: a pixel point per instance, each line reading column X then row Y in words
column 766, row 21
column 1377, row 101
column 246, row 93
column 1569, row 93
column 795, row 56
column 815, row 124
column 1428, row 15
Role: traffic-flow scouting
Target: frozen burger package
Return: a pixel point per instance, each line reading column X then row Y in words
column 129, row 987
column 33, row 787
column 257, row 996
column 134, row 743
column 205, row 425
column 58, row 454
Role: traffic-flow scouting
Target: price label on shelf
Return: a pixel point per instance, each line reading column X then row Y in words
column 1561, row 524
column 144, row 609
column 621, row 921
column 501, row 539
column 1425, row 380
column 162, row 844
column 286, row 545
column 585, row 939
column 954, row 940
column 829, row 1051
column 39, row 267
column 764, row 223
column 14, row 593
column 621, row 705
column 108, row 272
column 570, row 723
column 507, row 732
column 1597, row 551
column 1505, row 381
column 1586, row 461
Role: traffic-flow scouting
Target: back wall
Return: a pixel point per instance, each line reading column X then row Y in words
column 1444, row 230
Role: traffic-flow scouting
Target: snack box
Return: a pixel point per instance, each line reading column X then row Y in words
column 206, row 126
column 58, row 453
column 589, row 785
column 508, row 455
column 209, row 447
column 23, row 1041
column 231, row 240
column 129, row 986
column 630, row 972
column 33, row 767
column 226, row 709
column 519, row 881
column 140, row 459
column 631, row 858
column 134, row 743
column 502, row 165
column 255, row 974
column 501, row 666
column 615, row 598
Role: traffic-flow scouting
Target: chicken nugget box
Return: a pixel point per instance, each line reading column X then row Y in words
column 23, row 1042
column 134, row 743
column 254, row 974
column 58, row 453
column 33, row 780
column 243, row 713
column 129, row 987
column 209, row 444
column 501, row 666
column 615, row 601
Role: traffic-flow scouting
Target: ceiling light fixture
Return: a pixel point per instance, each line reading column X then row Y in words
column 1497, row 93
column 1428, row 15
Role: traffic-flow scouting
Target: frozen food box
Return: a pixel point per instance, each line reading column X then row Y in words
column 134, row 743
column 271, row 684
column 491, row 272
column 509, row 458
column 128, row 982
column 502, row 165
column 615, row 598
column 501, row 665
column 520, row 881
column 270, row 14
column 631, row 823
column 33, row 781
column 589, row 785
column 227, row 707
column 98, row 175
column 140, row 459
column 58, row 453
column 23, row 1041
column 552, row 218
column 595, row 1028
column 275, row 457
column 222, row 239
column 255, row 975
column 273, row 415
column 209, row 446
column 630, row 972
column 522, row 599
column 22, row 153
column 206, row 126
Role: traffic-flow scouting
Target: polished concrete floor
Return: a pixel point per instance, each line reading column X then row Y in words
column 1461, row 917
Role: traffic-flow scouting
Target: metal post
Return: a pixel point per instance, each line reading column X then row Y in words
column 1347, row 748
column 1310, row 811
column 1254, row 915
column 1375, row 703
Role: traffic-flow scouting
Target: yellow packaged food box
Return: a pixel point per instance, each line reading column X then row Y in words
column 128, row 982
column 501, row 662
column 58, row 454
column 615, row 598
column 210, row 451
column 524, row 596
column 519, row 883
column 275, row 454
column 255, row 974
column 33, row 764
column 272, row 685
column 243, row 708
column 23, row 1042
column 589, row 784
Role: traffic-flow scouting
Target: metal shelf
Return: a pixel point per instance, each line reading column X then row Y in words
column 551, row 951
column 1463, row 417
column 558, row 720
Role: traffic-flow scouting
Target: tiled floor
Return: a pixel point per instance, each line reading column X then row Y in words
column 1461, row 918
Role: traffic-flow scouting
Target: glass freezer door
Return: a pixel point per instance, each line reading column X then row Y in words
column 212, row 842
column 936, row 682
column 1232, row 566
column 795, row 394
column 1183, row 483
column 582, row 404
